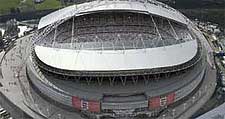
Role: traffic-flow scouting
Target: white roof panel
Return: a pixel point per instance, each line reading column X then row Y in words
column 77, row 10
column 113, row 60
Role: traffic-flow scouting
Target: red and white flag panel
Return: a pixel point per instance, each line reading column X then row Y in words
column 154, row 103
column 76, row 102
column 88, row 105
column 94, row 106
column 170, row 98
column 84, row 105
column 157, row 102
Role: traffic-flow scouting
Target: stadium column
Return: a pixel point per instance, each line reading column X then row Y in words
column 72, row 39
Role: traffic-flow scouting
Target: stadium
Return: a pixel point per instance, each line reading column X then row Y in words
column 116, row 58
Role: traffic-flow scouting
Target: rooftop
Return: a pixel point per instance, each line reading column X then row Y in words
column 141, row 6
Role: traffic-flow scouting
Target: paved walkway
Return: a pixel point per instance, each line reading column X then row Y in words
column 10, row 88
column 217, row 113
column 18, row 90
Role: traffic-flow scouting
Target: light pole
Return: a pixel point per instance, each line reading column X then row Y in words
column 59, row 116
column 185, row 104
column 173, row 113
column 193, row 99
column 200, row 92
column 164, row 116
column 47, row 112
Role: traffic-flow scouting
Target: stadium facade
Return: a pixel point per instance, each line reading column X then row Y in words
column 117, row 58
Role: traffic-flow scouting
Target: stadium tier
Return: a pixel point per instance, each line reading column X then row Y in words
column 121, row 58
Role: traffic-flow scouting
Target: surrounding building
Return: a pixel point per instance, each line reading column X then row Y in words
column 38, row 1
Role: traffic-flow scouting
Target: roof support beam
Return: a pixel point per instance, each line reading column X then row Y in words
column 112, row 80
column 102, row 44
column 134, row 44
column 157, row 77
column 113, row 45
column 54, row 38
column 100, row 80
column 88, row 79
column 123, row 80
column 77, row 79
column 135, row 79
column 174, row 32
column 140, row 35
column 146, row 79
column 122, row 43
column 157, row 29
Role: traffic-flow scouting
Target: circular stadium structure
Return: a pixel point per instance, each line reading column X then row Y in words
column 119, row 58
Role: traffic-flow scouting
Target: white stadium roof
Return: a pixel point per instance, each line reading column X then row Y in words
column 115, row 60
column 151, row 7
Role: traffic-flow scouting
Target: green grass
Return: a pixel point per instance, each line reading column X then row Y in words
column 48, row 4
column 6, row 5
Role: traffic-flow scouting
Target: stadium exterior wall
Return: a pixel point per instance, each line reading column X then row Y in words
column 78, row 103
